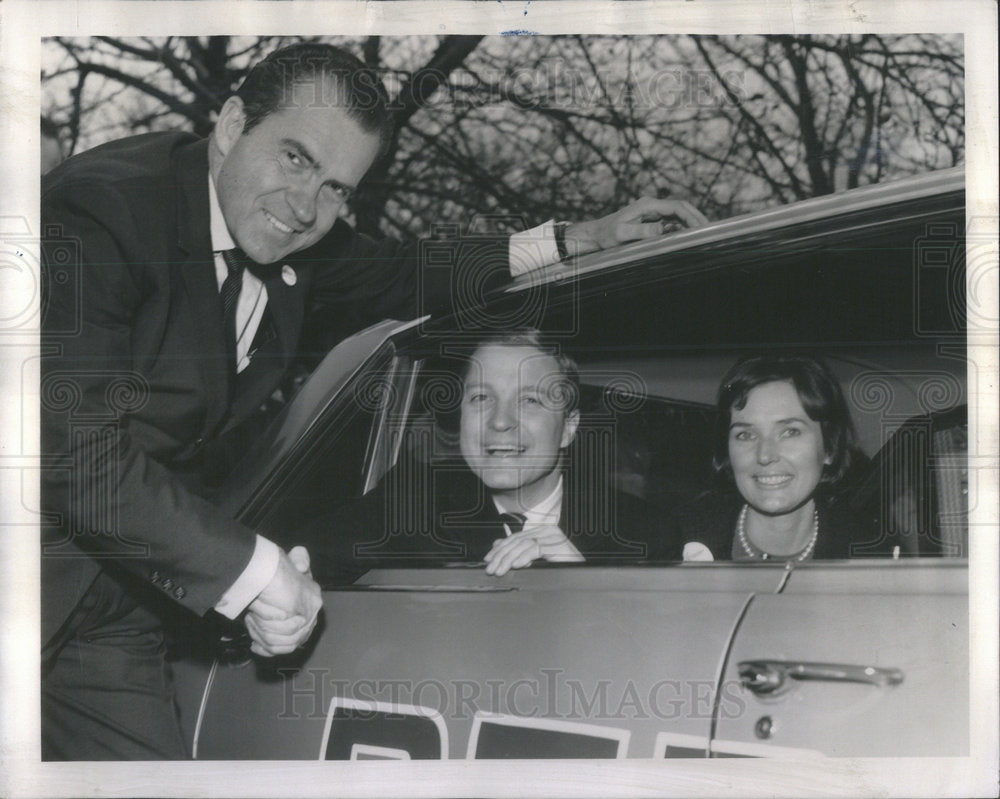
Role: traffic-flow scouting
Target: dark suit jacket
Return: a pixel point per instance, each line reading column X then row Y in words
column 456, row 520
column 137, row 387
column 710, row 519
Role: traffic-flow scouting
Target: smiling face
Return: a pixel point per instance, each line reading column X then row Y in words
column 282, row 185
column 775, row 449
column 514, row 423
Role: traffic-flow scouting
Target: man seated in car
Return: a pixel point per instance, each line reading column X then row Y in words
column 512, row 498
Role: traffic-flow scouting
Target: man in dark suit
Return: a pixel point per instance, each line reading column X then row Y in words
column 518, row 416
column 178, row 278
column 518, row 493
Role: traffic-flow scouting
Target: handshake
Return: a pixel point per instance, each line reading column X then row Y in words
column 284, row 614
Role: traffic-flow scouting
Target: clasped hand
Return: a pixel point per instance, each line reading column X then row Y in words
column 284, row 614
column 522, row 549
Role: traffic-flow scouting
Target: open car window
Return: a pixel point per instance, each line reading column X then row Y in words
column 366, row 495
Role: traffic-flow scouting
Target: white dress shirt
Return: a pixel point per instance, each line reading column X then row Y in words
column 545, row 513
column 253, row 295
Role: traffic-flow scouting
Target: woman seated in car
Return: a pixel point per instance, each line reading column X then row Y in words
column 785, row 448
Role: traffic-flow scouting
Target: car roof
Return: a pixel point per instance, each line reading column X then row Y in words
column 874, row 202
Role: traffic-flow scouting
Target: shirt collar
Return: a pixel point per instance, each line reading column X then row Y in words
column 546, row 511
column 221, row 239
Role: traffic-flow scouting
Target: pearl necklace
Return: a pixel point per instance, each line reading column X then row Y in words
column 754, row 552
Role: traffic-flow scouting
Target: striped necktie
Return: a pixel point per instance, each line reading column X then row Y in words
column 230, row 293
column 235, row 263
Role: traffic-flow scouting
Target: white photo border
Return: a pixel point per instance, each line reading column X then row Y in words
column 23, row 23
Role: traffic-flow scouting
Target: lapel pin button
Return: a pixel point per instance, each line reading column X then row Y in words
column 288, row 275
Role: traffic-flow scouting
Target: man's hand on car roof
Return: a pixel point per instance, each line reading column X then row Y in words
column 643, row 219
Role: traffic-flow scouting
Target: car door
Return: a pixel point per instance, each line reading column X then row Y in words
column 548, row 662
column 866, row 659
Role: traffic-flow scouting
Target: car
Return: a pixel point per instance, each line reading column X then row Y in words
column 425, row 658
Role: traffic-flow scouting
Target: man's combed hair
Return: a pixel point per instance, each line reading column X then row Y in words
column 339, row 77
column 565, row 387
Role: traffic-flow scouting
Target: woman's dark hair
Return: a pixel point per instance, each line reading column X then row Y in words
column 344, row 79
column 820, row 395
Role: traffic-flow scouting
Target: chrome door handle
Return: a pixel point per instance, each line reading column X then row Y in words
column 772, row 676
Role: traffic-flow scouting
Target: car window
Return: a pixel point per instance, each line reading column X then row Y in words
column 368, row 491
column 329, row 467
column 916, row 492
column 651, row 449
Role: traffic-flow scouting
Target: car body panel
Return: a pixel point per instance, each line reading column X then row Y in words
column 440, row 635
column 452, row 642
column 906, row 616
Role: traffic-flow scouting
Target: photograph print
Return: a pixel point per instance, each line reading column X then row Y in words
column 533, row 397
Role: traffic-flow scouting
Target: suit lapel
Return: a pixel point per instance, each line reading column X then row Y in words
column 197, row 275
column 286, row 304
column 464, row 512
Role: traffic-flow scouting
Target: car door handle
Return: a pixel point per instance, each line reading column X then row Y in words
column 772, row 676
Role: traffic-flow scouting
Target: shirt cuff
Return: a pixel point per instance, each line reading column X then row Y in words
column 563, row 552
column 254, row 579
column 697, row 551
column 532, row 249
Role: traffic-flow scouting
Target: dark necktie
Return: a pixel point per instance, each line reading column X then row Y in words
column 514, row 521
column 236, row 261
